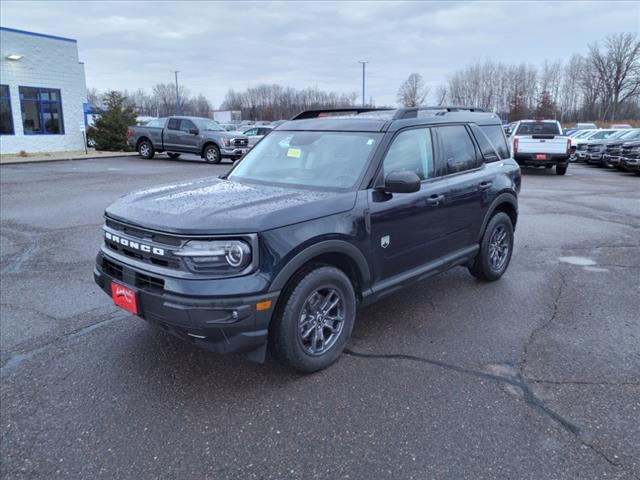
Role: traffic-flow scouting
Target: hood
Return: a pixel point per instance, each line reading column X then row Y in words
column 225, row 134
column 215, row 206
column 632, row 143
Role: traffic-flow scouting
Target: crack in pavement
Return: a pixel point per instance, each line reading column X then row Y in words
column 583, row 382
column 10, row 366
column 516, row 381
column 537, row 330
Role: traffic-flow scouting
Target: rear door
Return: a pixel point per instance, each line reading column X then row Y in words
column 466, row 181
column 172, row 135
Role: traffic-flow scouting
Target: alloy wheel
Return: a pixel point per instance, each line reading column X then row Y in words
column 321, row 321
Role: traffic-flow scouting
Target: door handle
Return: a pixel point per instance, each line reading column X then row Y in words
column 484, row 185
column 435, row 200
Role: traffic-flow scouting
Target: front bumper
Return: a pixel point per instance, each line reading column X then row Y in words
column 631, row 164
column 529, row 159
column 218, row 324
column 233, row 152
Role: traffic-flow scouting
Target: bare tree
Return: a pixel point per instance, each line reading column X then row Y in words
column 413, row 91
column 618, row 68
column 441, row 95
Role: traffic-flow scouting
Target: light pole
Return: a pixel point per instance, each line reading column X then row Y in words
column 364, row 63
column 178, row 109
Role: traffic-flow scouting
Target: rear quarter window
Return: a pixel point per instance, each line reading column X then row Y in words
column 495, row 135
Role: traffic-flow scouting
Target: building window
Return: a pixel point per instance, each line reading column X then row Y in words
column 41, row 111
column 6, row 117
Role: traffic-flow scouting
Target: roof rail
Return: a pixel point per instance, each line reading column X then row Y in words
column 412, row 112
column 306, row 114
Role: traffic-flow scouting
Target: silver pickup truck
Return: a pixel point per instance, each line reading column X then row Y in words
column 540, row 143
column 176, row 135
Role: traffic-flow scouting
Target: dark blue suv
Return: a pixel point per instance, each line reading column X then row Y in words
column 332, row 210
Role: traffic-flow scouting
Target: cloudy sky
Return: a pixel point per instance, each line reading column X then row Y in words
column 219, row 45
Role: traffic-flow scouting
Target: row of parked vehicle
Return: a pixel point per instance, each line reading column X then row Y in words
column 616, row 147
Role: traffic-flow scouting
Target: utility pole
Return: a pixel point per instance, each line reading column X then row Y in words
column 364, row 63
column 178, row 109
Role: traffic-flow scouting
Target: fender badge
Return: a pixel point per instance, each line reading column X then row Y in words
column 385, row 241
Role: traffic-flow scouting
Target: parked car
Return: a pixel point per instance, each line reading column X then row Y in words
column 322, row 217
column 255, row 134
column 540, row 143
column 596, row 148
column 176, row 135
column 230, row 127
column 630, row 156
column 581, row 144
column 586, row 126
column 613, row 150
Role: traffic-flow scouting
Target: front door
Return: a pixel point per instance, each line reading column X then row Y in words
column 407, row 229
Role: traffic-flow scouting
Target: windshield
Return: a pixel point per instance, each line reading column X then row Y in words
column 602, row 134
column 537, row 128
column 631, row 134
column 311, row 159
column 210, row 125
column 583, row 134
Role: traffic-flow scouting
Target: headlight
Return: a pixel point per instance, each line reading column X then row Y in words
column 217, row 256
column 226, row 142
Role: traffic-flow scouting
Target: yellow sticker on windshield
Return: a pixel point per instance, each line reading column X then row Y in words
column 294, row 153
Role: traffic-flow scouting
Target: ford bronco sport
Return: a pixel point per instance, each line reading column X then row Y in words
column 332, row 210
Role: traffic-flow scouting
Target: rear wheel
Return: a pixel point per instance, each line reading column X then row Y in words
column 145, row 149
column 212, row 154
column 315, row 322
column 561, row 169
column 496, row 248
column 173, row 155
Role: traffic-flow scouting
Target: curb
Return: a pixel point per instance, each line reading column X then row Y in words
column 65, row 159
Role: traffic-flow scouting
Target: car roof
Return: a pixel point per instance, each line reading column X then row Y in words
column 381, row 120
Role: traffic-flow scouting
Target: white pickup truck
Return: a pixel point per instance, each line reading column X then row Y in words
column 540, row 143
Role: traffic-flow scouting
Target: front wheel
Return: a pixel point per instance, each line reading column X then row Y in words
column 173, row 155
column 315, row 321
column 212, row 154
column 496, row 248
column 561, row 169
column 145, row 149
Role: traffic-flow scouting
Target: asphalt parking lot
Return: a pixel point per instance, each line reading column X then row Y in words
column 535, row 376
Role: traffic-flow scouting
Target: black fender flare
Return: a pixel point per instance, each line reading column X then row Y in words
column 325, row 246
column 504, row 197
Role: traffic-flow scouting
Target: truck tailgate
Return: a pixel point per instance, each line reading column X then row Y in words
column 542, row 144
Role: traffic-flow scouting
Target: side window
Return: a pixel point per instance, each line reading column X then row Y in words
column 491, row 139
column 252, row 131
column 187, row 125
column 6, row 116
column 458, row 151
column 411, row 150
column 174, row 124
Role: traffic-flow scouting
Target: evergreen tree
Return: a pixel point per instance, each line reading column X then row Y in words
column 545, row 109
column 110, row 129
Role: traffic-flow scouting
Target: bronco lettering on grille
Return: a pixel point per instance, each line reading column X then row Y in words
column 125, row 242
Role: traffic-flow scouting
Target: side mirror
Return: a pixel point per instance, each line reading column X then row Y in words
column 402, row 181
column 194, row 131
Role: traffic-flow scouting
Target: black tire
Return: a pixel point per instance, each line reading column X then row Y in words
column 173, row 155
column 211, row 154
column 296, row 312
column 483, row 267
column 561, row 169
column 146, row 150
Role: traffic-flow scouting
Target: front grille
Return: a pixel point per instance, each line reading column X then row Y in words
column 112, row 269
column 148, row 282
column 593, row 148
column 142, row 234
column 240, row 142
column 145, row 257
column 582, row 146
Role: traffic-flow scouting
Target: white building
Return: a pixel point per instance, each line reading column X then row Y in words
column 42, row 93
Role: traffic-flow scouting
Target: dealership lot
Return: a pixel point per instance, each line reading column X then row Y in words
column 534, row 376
